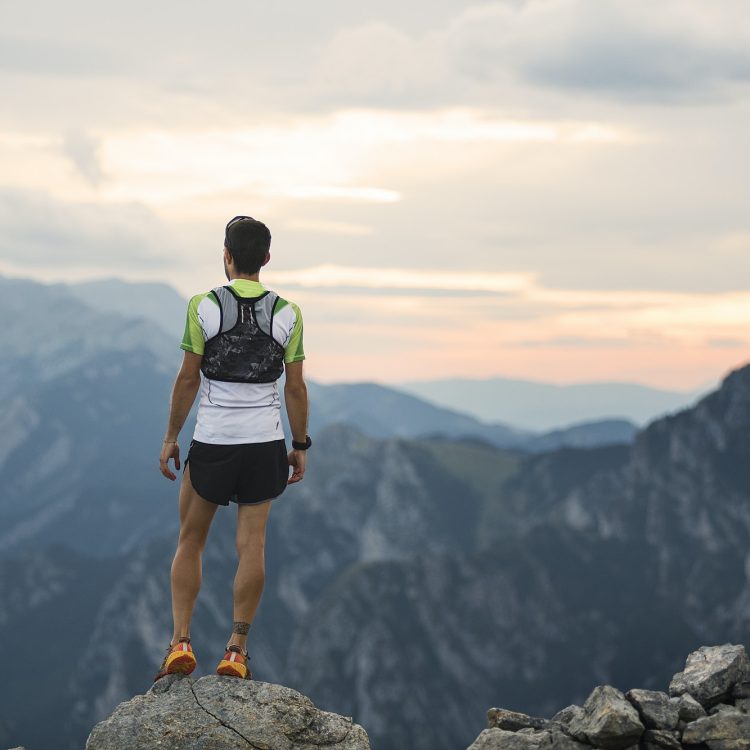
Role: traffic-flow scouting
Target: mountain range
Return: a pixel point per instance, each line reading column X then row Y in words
column 544, row 406
column 411, row 581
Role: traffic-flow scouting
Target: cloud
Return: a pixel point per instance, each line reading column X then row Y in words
column 328, row 227
column 37, row 231
column 187, row 64
column 635, row 49
column 576, row 342
column 624, row 313
column 82, row 149
column 56, row 57
column 402, row 278
column 678, row 51
column 725, row 342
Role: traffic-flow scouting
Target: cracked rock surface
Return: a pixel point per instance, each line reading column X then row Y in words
column 222, row 713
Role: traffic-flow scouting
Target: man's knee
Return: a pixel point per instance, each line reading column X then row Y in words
column 251, row 543
column 192, row 540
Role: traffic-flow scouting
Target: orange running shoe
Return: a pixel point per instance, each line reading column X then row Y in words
column 234, row 663
column 180, row 658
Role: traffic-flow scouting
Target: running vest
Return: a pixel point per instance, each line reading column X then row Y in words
column 244, row 350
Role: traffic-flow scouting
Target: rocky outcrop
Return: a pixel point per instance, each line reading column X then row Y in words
column 707, row 707
column 223, row 713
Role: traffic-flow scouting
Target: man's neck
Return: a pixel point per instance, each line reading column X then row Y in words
column 246, row 278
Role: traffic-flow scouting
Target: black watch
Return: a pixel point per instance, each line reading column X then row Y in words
column 302, row 446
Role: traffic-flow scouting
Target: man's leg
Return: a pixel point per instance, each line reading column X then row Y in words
column 196, row 515
column 250, row 577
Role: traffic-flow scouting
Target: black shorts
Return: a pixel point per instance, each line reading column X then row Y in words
column 246, row 473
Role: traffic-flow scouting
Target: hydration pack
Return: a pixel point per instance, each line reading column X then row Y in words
column 244, row 350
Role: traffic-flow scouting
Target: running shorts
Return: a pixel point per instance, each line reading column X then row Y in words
column 245, row 473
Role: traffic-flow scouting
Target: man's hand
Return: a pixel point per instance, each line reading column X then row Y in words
column 183, row 394
column 169, row 450
column 297, row 461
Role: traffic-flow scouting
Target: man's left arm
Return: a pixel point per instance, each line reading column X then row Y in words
column 183, row 395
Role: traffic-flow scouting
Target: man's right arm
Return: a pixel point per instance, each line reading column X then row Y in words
column 295, row 397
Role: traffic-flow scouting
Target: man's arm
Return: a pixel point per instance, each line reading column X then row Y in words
column 295, row 397
column 183, row 394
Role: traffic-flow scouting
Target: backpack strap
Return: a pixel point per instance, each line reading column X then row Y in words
column 264, row 310
column 273, row 310
column 227, row 308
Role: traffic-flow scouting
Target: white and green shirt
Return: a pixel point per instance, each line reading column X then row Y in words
column 231, row 413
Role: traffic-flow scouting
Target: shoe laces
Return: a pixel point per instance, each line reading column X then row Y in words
column 185, row 639
column 238, row 649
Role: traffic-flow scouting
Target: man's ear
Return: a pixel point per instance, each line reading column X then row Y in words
column 268, row 257
column 227, row 255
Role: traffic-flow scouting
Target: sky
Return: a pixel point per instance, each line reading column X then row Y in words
column 554, row 190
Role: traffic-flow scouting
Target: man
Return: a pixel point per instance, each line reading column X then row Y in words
column 238, row 341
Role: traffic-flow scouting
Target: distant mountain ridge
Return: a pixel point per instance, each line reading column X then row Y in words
column 542, row 406
column 154, row 300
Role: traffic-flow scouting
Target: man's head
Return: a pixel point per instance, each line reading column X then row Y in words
column 246, row 246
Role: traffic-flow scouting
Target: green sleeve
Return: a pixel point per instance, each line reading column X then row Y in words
column 193, row 339
column 294, row 351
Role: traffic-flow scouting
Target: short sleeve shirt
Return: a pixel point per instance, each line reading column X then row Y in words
column 231, row 413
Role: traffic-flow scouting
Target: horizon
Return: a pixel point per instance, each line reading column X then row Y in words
column 711, row 383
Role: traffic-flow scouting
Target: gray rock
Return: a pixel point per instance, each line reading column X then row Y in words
column 721, row 707
column 655, row 708
column 689, row 709
column 223, row 713
column 741, row 689
column 560, row 741
column 660, row 739
column 502, row 739
column 512, row 720
column 725, row 730
column 608, row 720
column 565, row 716
column 711, row 673
column 743, row 704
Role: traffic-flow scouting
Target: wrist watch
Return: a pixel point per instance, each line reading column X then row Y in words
column 302, row 446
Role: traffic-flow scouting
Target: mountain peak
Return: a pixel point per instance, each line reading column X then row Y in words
column 224, row 712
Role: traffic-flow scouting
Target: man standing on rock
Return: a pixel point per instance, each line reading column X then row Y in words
column 239, row 339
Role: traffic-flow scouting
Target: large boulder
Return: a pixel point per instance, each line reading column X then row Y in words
column 656, row 709
column 219, row 712
column 688, row 708
column 724, row 730
column 608, row 720
column 711, row 673
column 660, row 739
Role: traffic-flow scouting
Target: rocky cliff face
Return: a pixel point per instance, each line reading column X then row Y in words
column 595, row 566
column 223, row 713
column 706, row 708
